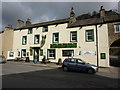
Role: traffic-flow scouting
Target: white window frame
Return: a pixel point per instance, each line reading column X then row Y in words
column 87, row 35
column 24, row 40
column 51, row 53
column 54, row 38
column 35, row 39
column 22, row 53
column 71, row 36
column 45, row 29
column 115, row 28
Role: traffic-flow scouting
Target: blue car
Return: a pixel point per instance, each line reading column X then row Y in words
column 78, row 65
column 2, row 59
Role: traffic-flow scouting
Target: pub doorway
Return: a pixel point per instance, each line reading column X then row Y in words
column 36, row 53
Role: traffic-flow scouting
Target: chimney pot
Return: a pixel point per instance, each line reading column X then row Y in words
column 20, row 23
column 72, row 14
column 28, row 22
column 102, row 12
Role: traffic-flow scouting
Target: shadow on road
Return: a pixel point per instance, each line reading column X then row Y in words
column 56, row 78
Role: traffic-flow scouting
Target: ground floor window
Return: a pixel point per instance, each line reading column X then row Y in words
column 11, row 54
column 23, row 53
column 51, row 53
column 67, row 53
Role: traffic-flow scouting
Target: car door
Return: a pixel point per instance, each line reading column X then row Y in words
column 80, row 65
column 72, row 64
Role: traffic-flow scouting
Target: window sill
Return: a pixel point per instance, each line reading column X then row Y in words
column 51, row 58
column 73, row 41
column 44, row 31
column 89, row 41
column 36, row 43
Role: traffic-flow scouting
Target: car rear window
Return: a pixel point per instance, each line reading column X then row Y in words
column 65, row 60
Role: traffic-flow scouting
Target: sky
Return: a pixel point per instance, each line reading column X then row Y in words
column 46, row 11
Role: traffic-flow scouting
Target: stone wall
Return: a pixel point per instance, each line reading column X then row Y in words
column 111, row 33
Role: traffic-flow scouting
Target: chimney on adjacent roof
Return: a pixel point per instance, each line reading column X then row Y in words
column 20, row 23
column 72, row 14
column 102, row 12
column 72, row 17
column 9, row 27
column 28, row 22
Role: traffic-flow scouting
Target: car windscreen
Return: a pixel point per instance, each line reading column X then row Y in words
column 80, row 61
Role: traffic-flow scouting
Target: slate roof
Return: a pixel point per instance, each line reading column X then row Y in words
column 82, row 20
column 111, row 16
column 54, row 22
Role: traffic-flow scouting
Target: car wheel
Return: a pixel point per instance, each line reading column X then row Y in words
column 90, row 71
column 65, row 68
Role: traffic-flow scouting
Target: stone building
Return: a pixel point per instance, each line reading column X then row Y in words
column 6, row 41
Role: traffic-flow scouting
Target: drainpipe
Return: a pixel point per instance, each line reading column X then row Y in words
column 97, row 45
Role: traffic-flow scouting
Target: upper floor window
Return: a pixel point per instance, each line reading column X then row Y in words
column 89, row 35
column 30, row 31
column 45, row 29
column 24, row 40
column 73, row 36
column 117, row 28
column 36, row 39
column 55, row 37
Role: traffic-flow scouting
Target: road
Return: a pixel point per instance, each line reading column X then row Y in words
column 26, row 76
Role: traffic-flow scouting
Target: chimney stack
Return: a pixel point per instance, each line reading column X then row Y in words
column 20, row 23
column 9, row 27
column 28, row 22
column 102, row 12
column 72, row 17
column 72, row 14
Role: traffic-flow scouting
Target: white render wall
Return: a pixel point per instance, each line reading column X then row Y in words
column 0, row 43
column 64, row 37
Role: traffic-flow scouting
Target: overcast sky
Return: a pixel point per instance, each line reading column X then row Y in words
column 45, row 11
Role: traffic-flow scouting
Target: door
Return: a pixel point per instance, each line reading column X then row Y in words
column 80, row 65
column 72, row 64
column 36, row 54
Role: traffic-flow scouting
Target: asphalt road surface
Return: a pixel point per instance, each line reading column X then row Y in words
column 26, row 76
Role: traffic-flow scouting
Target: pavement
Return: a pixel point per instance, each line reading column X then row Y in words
column 112, row 72
column 39, row 64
